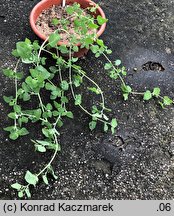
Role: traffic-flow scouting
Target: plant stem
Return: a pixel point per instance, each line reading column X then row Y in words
column 32, row 116
column 41, row 48
column 120, row 77
column 54, row 155
column 72, row 90
column 41, row 103
column 47, row 51
column 63, row 3
column 137, row 93
column 101, row 93
column 73, row 94
column 56, row 121
column 16, row 90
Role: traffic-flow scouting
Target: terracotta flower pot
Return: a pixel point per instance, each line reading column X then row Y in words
column 45, row 4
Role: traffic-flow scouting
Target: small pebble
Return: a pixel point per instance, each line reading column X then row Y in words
column 168, row 50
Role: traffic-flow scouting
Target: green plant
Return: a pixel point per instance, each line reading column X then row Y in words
column 64, row 76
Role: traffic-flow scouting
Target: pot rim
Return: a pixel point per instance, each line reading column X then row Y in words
column 43, row 37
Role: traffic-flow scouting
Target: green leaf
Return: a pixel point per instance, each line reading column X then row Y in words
column 78, row 99
column 25, row 87
column 27, row 191
column 108, row 51
column 30, row 59
column 8, row 72
column 40, row 148
column 63, row 49
column 23, row 132
column 54, row 69
column 55, row 21
column 92, row 25
column 17, row 108
column 64, row 85
column 75, row 49
column 14, row 135
column 59, row 123
column 70, row 10
column 70, row 115
column 45, row 179
column 19, row 75
column 112, row 130
column 10, row 128
column 77, row 80
column 96, row 116
column 24, row 119
column 43, row 142
column 7, row 99
column 54, row 38
column 36, row 45
column 94, row 109
column 16, row 186
column 97, row 55
column 37, row 113
column 167, row 101
column 47, row 114
column 147, row 95
column 43, row 60
column 101, row 20
column 26, row 96
column 45, row 131
column 106, row 127
column 113, row 74
column 100, row 42
column 15, row 53
column 64, row 99
column 95, row 48
column 124, row 73
column 108, row 66
column 42, row 73
column 95, row 90
column 92, row 125
column 49, row 106
column 20, row 91
column 126, row 96
column 20, row 194
column 57, row 105
column 51, row 171
column 117, row 62
column 55, row 113
column 161, row 104
column 24, row 49
column 156, row 92
column 49, row 86
column 114, row 123
column 94, row 8
column 56, row 93
column 126, row 89
column 31, row 178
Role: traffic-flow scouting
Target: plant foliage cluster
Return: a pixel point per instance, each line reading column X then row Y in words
column 30, row 86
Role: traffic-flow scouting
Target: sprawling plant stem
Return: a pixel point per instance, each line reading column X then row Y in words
column 63, row 3
column 84, row 75
column 16, row 90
